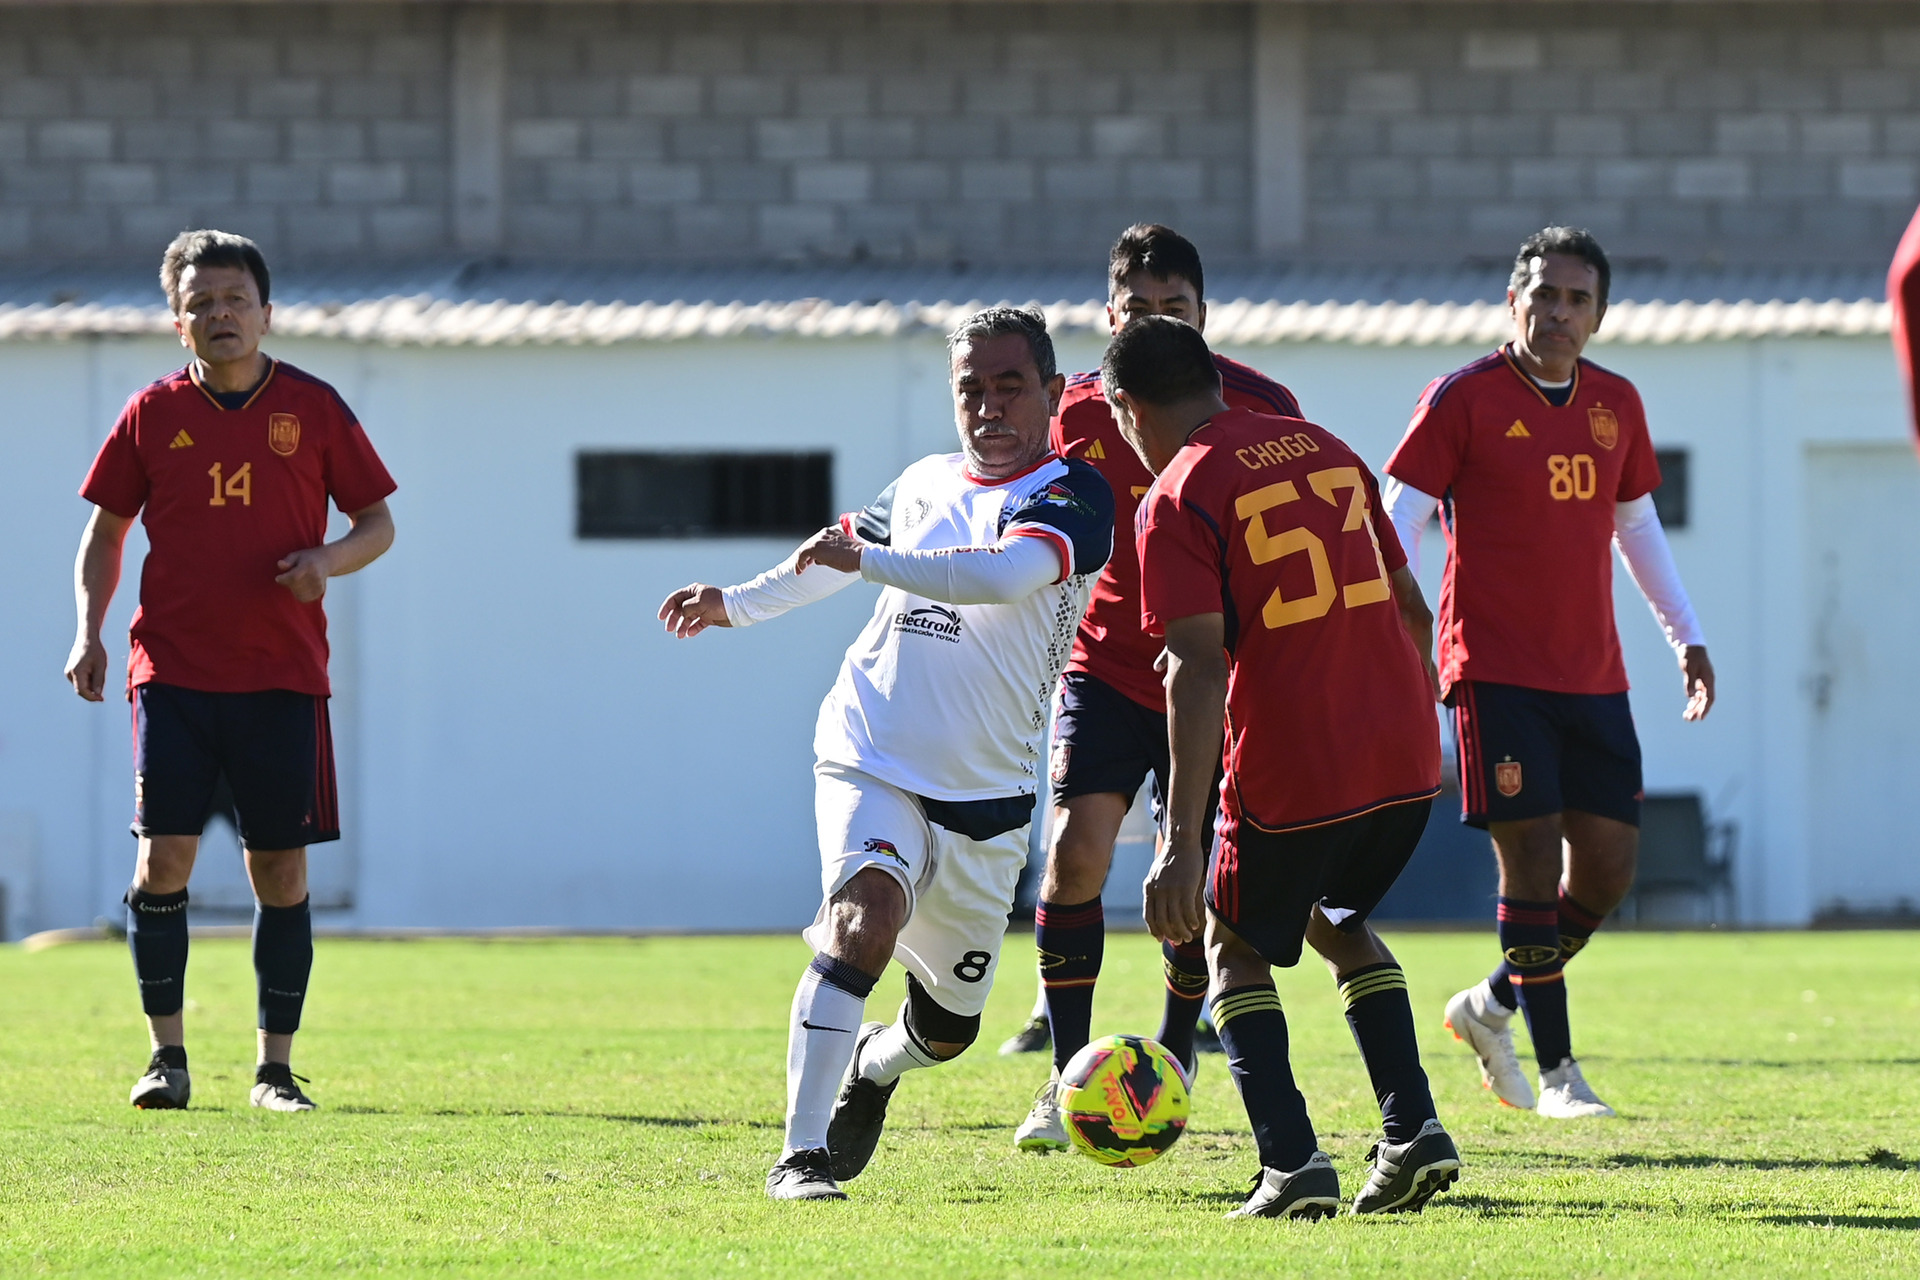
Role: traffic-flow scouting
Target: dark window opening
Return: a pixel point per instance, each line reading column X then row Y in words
column 702, row 495
column 1670, row 499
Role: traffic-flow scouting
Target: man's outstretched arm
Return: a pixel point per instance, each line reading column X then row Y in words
column 788, row 585
column 96, row 573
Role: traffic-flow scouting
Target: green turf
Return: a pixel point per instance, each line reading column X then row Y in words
column 610, row 1107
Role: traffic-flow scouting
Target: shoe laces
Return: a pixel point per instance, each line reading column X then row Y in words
column 279, row 1075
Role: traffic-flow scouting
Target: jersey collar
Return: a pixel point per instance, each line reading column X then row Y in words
column 1026, row 471
column 1573, row 393
column 193, row 376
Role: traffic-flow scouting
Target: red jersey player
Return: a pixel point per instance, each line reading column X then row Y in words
column 1903, row 295
column 1109, row 729
column 1289, row 617
column 229, row 464
column 1545, row 461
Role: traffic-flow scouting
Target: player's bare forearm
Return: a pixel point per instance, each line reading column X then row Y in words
column 96, row 575
column 1697, row 673
column 1196, row 720
column 1418, row 620
column 305, row 572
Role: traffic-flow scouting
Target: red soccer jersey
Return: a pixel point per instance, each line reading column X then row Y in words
column 1903, row 296
column 1530, row 488
column 224, row 494
column 1110, row 645
column 1277, row 525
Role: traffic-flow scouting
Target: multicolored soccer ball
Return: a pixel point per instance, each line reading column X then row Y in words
column 1124, row 1101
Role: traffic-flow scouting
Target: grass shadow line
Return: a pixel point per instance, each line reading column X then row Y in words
column 1865, row 1221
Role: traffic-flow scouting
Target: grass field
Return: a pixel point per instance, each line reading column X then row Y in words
column 611, row 1106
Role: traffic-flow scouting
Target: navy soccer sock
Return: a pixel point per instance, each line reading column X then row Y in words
column 1185, row 964
column 282, row 961
column 1254, row 1032
column 157, row 936
column 1577, row 924
column 1381, row 1017
column 1530, row 938
column 1072, row 938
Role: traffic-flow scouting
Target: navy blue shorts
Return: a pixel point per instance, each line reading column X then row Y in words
column 1105, row 741
column 1526, row 753
column 275, row 749
column 1264, row 885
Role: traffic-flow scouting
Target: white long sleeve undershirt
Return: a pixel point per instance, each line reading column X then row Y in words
column 1409, row 510
column 1649, row 560
column 782, row 588
column 1636, row 532
column 1010, row 570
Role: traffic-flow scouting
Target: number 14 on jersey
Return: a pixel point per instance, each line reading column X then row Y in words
column 238, row 485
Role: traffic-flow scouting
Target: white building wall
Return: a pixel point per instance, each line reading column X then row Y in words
column 521, row 745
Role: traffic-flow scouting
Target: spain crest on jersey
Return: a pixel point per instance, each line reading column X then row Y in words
column 1606, row 427
column 283, row 433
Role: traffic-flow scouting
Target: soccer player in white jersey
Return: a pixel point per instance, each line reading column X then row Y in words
column 927, row 749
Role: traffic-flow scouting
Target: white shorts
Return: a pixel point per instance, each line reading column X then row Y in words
column 959, row 891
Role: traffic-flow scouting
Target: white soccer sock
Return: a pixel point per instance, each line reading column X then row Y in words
column 820, row 1039
column 1040, row 999
column 893, row 1053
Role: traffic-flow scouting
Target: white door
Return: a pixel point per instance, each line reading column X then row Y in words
column 1863, row 581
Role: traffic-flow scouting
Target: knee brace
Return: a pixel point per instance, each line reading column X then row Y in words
column 928, row 1022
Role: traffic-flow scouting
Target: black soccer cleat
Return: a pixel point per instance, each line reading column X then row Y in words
column 1311, row 1191
column 274, row 1088
column 1407, row 1175
column 1035, row 1037
column 859, row 1115
column 803, row 1175
column 165, row 1086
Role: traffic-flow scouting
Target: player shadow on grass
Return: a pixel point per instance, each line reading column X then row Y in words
column 1776, row 1064
column 661, row 1122
column 1877, row 1158
column 1865, row 1221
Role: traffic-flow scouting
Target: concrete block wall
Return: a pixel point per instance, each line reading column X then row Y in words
column 1686, row 132
column 978, row 132
column 932, row 132
column 319, row 130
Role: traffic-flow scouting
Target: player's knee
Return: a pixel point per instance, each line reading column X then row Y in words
column 941, row 1032
column 166, row 864
column 1230, row 960
column 1346, row 951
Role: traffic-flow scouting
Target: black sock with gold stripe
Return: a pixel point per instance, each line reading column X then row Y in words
column 1185, row 966
column 1381, row 1017
column 1254, row 1032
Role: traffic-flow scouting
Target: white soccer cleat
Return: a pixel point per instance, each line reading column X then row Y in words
column 1485, row 1025
column 1044, row 1129
column 275, row 1088
column 163, row 1087
column 1566, row 1095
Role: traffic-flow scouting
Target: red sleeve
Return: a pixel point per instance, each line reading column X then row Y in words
column 1392, row 554
column 1179, row 563
column 1903, row 294
column 1436, row 441
column 1639, row 470
column 117, row 481
column 356, row 478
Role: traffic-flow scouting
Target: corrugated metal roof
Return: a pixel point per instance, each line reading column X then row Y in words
column 495, row 305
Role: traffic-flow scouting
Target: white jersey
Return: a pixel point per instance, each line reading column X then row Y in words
column 938, row 696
